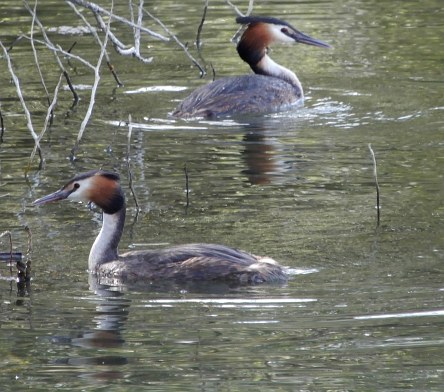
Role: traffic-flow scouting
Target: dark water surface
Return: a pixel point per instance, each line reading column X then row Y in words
column 363, row 309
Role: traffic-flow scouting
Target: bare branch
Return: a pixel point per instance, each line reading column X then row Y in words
column 93, row 93
column 45, row 36
column 96, row 36
column 23, row 103
column 136, row 29
column 35, row 53
column 121, row 48
column 239, row 13
column 250, row 7
column 48, row 115
column 57, row 49
column 97, row 10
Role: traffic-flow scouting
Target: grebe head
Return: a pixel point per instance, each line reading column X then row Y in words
column 99, row 186
column 266, row 30
column 262, row 31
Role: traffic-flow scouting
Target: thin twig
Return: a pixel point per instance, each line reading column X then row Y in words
column 72, row 47
column 93, row 94
column 128, row 162
column 34, row 51
column 238, row 12
column 213, row 71
column 96, row 36
column 113, row 72
column 16, row 41
column 59, row 49
column 184, row 47
column 187, row 187
column 130, row 6
column 2, row 125
column 136, row 30
column 199, row 29
column 375, row 176
column 48, row 44
column 49, row 114
column 250, row 7
column 71, row 88
column 120, row 47
column 23, row 103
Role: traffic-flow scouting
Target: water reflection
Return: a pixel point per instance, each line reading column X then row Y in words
column 260, row 155
column 110, row 317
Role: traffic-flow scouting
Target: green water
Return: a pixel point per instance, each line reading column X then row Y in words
column 363, row 309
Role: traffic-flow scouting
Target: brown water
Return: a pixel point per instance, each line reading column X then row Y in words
column 363, row 309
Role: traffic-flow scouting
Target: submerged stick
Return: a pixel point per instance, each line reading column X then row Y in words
column 128, row 160
column 199, row 29
column 375, row 176
column 187, row 187
column 213, row 71
column 72, row 47
column 28, row 252
column 71, row 88
column 2, row 126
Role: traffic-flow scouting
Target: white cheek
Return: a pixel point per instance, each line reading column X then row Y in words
column 82, row 192
column 279, row 36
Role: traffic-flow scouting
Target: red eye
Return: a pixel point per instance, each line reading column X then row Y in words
column 284, row 30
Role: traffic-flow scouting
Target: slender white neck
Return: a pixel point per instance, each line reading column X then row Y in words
column 268, row 67
column 105, row 246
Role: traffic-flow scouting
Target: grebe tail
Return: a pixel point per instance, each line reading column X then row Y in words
column 271, row 88
column 181, row 263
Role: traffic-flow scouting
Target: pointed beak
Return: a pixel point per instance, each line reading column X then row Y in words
column 305, row 39
column 56, row 196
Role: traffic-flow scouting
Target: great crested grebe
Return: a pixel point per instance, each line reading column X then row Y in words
column 271, row 88
column 191, row 262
